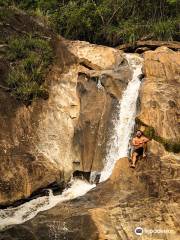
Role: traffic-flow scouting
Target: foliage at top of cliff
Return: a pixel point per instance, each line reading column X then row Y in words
column 109, row 22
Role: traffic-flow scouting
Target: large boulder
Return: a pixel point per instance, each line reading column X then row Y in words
column 159, row 118
column 160, row 96
column 23, row 174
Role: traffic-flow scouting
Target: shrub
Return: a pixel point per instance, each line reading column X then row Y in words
column 76, row 20
column 4, row 3
column 29, row 58
column 16, row 49
column 164, row 30
column 31, row 62
column 23, row 86
column 20, row 47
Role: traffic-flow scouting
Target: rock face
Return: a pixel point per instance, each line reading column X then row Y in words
column 145, row 45
column 23, row 170
column 48, row 140
column 102, row 75
column 159, row 117
column 160, row 96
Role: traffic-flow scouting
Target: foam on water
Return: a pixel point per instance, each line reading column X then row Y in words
column 27, row 211
column 118, row 145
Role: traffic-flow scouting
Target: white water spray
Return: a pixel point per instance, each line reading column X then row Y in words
column 118, row 145
column 27, row 211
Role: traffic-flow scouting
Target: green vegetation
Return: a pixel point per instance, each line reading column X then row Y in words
column 169, row 145
column 110, row 22
column 29, row 58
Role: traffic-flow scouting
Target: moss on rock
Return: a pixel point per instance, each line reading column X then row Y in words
column 150, row 132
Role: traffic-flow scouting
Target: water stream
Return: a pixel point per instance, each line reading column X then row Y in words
column 28, row 210
column 118, row 145
column 117, row 148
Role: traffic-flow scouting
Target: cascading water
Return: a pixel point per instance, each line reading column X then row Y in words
column 117, row 148
column 124, row 123
column 26, row 211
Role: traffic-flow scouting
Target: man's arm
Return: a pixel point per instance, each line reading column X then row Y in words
column 145, row 139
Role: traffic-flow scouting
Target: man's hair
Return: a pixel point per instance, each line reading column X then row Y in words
column 140, row 132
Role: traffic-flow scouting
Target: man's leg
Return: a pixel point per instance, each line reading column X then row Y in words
column 134, row 159
column 144, row 150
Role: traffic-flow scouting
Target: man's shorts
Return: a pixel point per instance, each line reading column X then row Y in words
column 139, row 151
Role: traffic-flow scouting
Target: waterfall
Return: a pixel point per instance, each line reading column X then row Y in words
column 118, row 145
column 117, row 148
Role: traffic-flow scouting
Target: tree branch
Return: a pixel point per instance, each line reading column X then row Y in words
column 114, row 13
column 100, row 15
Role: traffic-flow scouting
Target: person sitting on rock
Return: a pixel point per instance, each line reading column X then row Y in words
column 139, row 143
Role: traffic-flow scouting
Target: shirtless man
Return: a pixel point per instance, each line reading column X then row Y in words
column 139, row 144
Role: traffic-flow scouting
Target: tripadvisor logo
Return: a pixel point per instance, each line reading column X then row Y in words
column 138, row 231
